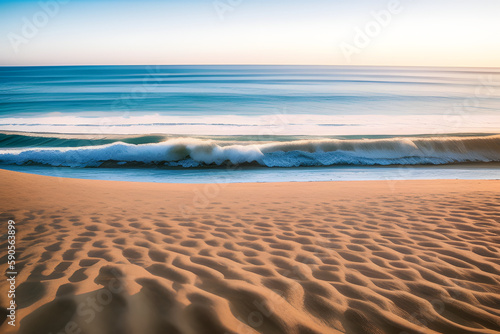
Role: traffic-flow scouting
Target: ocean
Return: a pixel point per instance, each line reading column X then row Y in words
column 206, row 124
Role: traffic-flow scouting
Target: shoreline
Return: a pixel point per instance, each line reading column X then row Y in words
column 261, row 174
column 62, row 179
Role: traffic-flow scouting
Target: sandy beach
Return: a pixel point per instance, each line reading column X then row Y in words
column 301, row 258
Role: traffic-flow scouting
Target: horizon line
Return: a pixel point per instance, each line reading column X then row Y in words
column 311, row 65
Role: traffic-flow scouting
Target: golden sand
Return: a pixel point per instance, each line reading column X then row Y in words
column 319, row 257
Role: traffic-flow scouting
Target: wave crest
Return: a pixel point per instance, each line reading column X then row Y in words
column 192, row 152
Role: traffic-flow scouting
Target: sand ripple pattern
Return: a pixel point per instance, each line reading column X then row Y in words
column 287, row 262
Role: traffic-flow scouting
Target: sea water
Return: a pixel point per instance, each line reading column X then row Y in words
column 203, row 124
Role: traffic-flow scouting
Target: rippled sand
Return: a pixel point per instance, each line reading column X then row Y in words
column 338, row 257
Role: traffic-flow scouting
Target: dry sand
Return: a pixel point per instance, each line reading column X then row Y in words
column 330, row 257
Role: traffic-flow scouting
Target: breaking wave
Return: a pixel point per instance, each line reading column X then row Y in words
column 192, row 152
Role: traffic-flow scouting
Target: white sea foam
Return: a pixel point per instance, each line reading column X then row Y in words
column 272, row 124
column 191, row 152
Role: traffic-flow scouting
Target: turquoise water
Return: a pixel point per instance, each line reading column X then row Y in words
column 243, row 90
column 241, row 174
column 187, row 123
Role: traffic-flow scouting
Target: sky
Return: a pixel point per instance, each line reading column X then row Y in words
column 314, row 32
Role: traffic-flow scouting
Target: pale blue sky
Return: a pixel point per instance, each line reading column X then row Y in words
column 418, row 33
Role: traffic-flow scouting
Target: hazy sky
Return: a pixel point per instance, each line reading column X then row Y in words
column 327, row 32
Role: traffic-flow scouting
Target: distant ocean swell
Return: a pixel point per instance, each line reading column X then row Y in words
column 193, row 152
